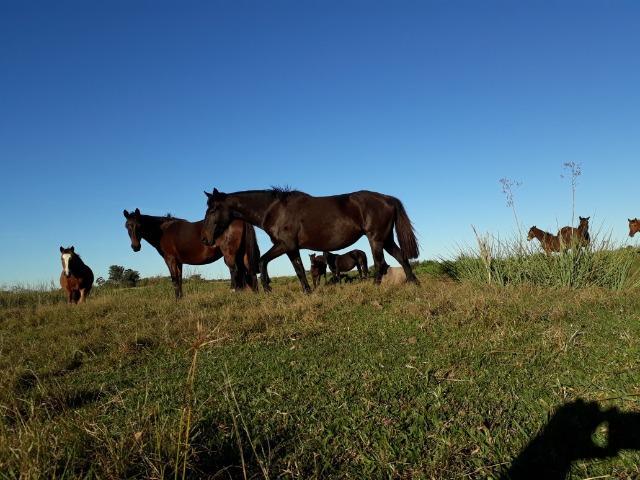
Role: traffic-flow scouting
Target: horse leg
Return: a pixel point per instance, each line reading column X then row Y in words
column 274, row 252
column 394, row 250
column 359, row 270
column 294, row 256
column 69, row 297
column 172, row 264
column 83, row 295
column 378, row 259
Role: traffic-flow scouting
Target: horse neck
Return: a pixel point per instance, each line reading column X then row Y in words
column 151, row 230
column 76, row 265
column 252, row 206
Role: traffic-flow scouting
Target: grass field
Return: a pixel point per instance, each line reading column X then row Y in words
column 443, row 380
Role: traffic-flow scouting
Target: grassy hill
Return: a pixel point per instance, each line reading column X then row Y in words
column 443, row 380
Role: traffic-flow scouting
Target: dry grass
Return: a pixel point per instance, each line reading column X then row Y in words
column 442, row 380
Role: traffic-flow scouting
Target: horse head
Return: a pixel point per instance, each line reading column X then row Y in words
column 217, row 218
column 134, row 227
column 66, row 257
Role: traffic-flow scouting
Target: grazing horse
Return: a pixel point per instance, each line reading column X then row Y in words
column 76, row 277
column 579, row 237
column 634, row 226
column 550, row 242
column 295, row 220
column 347, row 261
column 178, row 242
column 318, row 268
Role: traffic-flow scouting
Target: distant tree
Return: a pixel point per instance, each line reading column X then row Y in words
column 115, row 273
column 124, row 277
column 130, row 278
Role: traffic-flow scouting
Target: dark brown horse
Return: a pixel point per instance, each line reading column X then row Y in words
column 634, row 226
column 550, row 242
column 178, row 242
column 76, row 277
column 347, row 261
column 578, row 237
column 296, row 220
column 318, row 268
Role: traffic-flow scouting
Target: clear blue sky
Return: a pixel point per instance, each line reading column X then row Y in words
column 113, row 105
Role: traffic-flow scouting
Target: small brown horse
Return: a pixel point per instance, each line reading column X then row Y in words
column 347, row 261
column 178, row 242
column 295, row 220
column 550, row 242
column 578, row 237
column 318, row 268
column 76, row 277
column 634, row 226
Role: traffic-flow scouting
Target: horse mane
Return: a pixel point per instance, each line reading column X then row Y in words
column 284, row 192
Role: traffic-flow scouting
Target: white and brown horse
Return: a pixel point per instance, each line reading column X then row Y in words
column 76, row 277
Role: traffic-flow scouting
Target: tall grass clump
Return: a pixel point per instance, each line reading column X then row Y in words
column 512, row 262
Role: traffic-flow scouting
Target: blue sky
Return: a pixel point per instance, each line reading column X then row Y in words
column 113, row 105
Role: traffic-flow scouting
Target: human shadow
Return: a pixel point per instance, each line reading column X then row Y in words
column 568, row 436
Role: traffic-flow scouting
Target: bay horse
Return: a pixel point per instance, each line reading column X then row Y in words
column 318, row 268
column 76, row 277
column 549, row 241
column 295, row 220
column 578, row 237
column 634, row 226
column 178, row 243
column 346, row 262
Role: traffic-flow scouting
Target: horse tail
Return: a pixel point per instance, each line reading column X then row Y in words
column 251, row 248
column 405, row 232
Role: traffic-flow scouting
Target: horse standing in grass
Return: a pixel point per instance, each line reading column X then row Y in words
column 178, row 243
column 318, row 268
column 634, row 226
column 295, row 220
column 76, row 277
column 548, row 241
column 346, row 262
column 578, row 237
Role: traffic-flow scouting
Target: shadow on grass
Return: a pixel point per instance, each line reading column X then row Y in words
column 569, row 436
column 219, row 454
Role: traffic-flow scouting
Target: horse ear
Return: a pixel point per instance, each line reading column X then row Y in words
column 137, row 212
column 125, row 213
column 61, row 249
column 72, row 249
column 215, row 190
column 209, row 195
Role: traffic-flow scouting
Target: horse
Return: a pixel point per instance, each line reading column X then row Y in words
column 347, row 261
column 76, row 277
column 178, row 243
column 634, row 226
column 295, row 220
column 579, row 237
column 549, row 241
column 318, row 268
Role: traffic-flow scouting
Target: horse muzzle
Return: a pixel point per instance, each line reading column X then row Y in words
column 135, row 248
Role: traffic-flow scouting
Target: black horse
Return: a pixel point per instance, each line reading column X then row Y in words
column 347, row 261
column 295, row 220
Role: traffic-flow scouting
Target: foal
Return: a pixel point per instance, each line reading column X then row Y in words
column 76, row 277
column 634, row 226
column 347, row 261
column 318, row 267
column 550, row 243
column 579, row 237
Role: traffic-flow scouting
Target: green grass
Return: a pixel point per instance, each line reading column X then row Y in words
column 515, row 262
column 444, row 380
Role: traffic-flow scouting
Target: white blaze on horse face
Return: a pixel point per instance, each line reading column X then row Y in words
column 66, row 257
